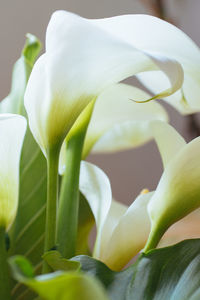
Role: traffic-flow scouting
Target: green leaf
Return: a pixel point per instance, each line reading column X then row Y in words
column 21, row 267
column 168, row 273
column 31, row 49
column 28, row 230
column 57, row 262
column 13, row 103
column 27, row 233
column 58, row 285
column 116, row 283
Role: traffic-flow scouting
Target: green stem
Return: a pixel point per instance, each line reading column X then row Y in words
column 69, row 198
column 4, row 271
column 69, row 195
column 154, row 237
column 52, row 202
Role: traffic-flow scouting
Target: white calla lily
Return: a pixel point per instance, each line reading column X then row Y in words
column 178, row 190
column 12, row 131
column 95, row 186
column 186, row 228
column 168, row 40
column 168, row 140
column 124, row 231
column 129, row 234
column 118, row 123
column 121, row 231
column 80, row 62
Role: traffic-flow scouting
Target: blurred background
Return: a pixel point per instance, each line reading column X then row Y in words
column 129, row 171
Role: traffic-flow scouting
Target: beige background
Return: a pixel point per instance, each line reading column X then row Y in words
column 129, row 171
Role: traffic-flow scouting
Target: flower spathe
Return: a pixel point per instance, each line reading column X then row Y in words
column 168, row 40
column 123, row 231
column 177, row 192
column 12, row 132
column 118, row 123
column 186, row 228
column 80, row 62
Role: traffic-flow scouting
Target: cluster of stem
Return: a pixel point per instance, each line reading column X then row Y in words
column 62, row 223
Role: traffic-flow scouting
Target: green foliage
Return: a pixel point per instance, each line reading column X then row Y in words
column 13, row 103
column 29, row 224
column 56, row 262
column 27, row 233
column 168, row 273
column 58, row 285
column 116, row 283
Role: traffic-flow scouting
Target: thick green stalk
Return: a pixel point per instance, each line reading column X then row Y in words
column 69, row 195
column 52, row 202
column 69, row 199
column 4, row 271
column 154, row 237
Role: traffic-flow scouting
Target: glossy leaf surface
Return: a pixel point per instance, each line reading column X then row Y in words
column 167, row 273
column 58, row 285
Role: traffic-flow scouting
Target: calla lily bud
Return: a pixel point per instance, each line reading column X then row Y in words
column 12, row 131
column 177, row 193
column 74, row 70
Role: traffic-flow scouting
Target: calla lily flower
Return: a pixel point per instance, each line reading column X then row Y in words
column 177, row 193
column 118, row 123
column 122, row 232
column 167, row 39
column 186, row 228
column 81, row 61
column 12, row 131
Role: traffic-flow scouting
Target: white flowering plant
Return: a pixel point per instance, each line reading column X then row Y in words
column 71, row 102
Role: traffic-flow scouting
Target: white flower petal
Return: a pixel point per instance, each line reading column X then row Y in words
column 118, row 123
column 95, row 186
column 149, row 33
column 186, row 100
column 81, row 61
column 178, row 191
column 12, row 131
column 186, row 228
column 168, row 140
column 116, row 211
column 129, row 235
